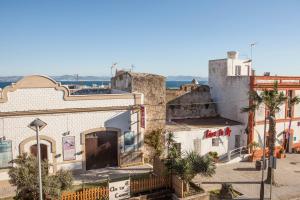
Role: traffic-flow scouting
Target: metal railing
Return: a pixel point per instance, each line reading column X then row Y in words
column 236, row 151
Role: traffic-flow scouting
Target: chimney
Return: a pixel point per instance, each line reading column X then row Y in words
column 232, row 54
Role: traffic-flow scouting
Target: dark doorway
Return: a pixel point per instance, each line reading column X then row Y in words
column 288, row 140
column 237, row 141
column 44, row 152
column 101, row 149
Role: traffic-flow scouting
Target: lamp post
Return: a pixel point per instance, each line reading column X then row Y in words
column 38, row 125
column 262, row 184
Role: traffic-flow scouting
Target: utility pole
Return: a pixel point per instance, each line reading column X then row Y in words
column 262, row 183
column 132, row 67
column 112, row 67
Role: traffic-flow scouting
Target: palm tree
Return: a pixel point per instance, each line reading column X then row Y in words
column 272, row 99
column 191, row 165
column 203, row 165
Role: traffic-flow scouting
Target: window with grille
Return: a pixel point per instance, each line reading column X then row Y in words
column 215, row 142
column 238, row 70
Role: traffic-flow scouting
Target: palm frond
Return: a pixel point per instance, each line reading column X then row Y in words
column 295, row 100
column 170, row 137
column 279, row 100
column 251, row 108
column 257, row 100
column 254, row 96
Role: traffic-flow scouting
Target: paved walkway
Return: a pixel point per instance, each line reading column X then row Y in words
column 6, row 190
column 245, row 179
column 110, row 173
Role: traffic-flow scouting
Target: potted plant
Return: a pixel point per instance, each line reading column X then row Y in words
column 281, row 153
column 253, row 145
column 256, row 154
column 214, row 155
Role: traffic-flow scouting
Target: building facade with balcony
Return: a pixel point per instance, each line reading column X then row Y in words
column 231, row 79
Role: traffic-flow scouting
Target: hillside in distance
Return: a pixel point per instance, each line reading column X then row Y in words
column 186, row 78
column 99, row 78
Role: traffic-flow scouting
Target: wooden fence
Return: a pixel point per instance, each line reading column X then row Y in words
column 136, row 186
column 149, row 184
column 87, row 194
column 178, row 186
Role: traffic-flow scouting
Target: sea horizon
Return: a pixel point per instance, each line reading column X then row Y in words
column 169, row 84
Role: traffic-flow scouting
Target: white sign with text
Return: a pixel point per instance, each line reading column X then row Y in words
column 119, row 190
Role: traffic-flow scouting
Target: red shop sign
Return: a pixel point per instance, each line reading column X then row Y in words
column 142, row 116
column 220, row 132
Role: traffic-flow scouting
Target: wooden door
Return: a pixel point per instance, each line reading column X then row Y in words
column 44, row 151
column 101, row 149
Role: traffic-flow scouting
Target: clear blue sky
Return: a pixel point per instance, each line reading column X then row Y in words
column 168, row 37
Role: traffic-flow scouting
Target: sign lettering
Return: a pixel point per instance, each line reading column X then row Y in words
column 119, row 190
column 142, row 116
column 218, row 133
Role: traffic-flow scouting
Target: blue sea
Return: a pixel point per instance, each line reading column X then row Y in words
column 169, row 84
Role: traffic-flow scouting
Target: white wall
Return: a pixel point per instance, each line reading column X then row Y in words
column 260, row 113
column 297, row 107
column 229, row 92
column 280, row 127
column 231, row 67
column 16, row 128
column 50, row 98
column 187, row 140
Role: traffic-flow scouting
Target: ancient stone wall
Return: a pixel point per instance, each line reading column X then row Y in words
column 154, row 89
column 190, row 102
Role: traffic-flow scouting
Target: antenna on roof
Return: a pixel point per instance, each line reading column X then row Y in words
column 112, row 67
column 132, row 67
column 251, row 48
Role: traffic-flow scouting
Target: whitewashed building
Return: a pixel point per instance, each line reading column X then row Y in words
column 230, row 81
column 194, row 120
column 83, row 131
column 204, row 135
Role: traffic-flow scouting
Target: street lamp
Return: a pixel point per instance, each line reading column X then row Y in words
column 262, row 184
column 38, row 125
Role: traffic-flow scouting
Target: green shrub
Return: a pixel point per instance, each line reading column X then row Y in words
column 24, row 175
column 213, row 154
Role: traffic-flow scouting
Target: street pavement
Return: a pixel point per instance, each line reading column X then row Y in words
column 246, row 179
column 111, row 173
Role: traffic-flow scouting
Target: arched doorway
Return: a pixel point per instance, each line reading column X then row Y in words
column 101, row 149
column 44, row 151
column 48, row 149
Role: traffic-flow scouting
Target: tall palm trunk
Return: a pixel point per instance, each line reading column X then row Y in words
column 271, row 141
